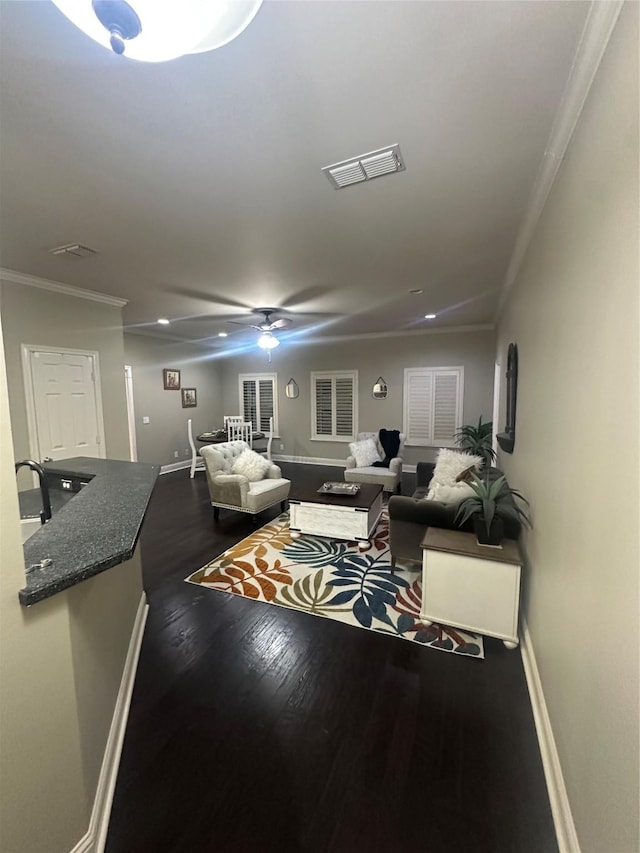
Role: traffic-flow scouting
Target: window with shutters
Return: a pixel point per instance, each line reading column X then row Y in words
column 432, row 405
column 333, row 405
column 259, row 400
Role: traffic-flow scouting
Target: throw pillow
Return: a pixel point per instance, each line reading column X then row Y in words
column 451, row 463
column 251, row 465
column 364, row 452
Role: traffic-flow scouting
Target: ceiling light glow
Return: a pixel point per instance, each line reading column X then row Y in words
column 429, row 316
column 163, row 321
column 222, row 334
column 166, row 30
column 268, row 341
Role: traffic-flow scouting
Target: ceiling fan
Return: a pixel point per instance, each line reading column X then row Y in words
column 267, row 339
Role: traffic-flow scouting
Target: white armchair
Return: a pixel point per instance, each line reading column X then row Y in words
column 389, row 478
column 236, row 492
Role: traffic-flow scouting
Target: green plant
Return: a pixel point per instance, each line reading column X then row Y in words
column 477, row 440
column 492, row 499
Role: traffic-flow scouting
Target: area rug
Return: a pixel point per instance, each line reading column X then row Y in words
column 333, row 579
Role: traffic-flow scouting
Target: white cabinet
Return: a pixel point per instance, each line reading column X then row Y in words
column 471, row 586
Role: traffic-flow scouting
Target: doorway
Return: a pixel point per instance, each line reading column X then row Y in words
column 64, row 403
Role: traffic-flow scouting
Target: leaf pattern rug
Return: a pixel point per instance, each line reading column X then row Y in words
column 334, row 579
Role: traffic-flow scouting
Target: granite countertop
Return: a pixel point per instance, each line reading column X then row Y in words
column 94, row 531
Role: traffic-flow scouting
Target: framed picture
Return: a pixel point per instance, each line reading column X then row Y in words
column 189, row 398
column 171, row 379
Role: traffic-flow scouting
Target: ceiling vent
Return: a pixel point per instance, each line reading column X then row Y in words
column 75, row 249
column 384, row 161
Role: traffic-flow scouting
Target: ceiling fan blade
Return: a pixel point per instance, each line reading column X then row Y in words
column 246, row 325
column 282, row 323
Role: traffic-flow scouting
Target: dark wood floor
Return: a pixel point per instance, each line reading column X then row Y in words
column 256, row 728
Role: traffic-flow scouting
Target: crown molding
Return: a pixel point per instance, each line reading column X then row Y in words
column 58, row 287
column 596, row 33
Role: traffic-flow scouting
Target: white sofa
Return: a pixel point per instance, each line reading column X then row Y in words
column 236, row 492
column 389, row 478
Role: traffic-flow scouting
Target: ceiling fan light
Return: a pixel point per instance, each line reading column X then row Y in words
column 168, row 30
column 268, row 341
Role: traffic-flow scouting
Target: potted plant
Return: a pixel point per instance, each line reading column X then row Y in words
column 493, row 502
column 477, row 440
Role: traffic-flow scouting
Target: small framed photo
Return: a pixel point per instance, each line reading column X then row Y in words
column 189, row 398
column 171, row 379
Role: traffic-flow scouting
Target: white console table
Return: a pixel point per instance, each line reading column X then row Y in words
column 471, row 586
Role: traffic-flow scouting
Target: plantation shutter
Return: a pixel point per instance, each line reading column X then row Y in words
column 258, row 400
column 250, row 402
column 334, row 397
column 265, row 404
column 432, row 404
column 344, row 407
column 324, row 407
column 445, row 397
column 419, row 413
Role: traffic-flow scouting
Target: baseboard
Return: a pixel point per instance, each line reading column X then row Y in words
column 176, row 466
column 95, row 838
column 560, row 807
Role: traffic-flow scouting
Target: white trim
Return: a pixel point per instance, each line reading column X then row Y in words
column 131, row 412
column 497, row 384
column 175, row 466
column 59, row 287
column 563, row 819
column 597, row 30
column 27, row 378
column 94, row 839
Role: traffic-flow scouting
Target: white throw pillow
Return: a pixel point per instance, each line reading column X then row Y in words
column 364, row 452
column 251, row 465
column 450, row 464
column 450, row 494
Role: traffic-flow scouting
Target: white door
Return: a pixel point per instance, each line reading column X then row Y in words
column 65, row 405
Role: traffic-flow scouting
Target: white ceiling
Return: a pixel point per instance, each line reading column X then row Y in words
column 198, row 181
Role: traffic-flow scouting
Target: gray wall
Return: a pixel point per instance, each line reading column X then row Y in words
column 167, row 431
column 31, row 315
column 574, row 315
column 61, row 660
column 383, row 356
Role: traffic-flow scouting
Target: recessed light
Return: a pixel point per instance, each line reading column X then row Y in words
column 163, row 321
column 429, row 316
column 417, row 290
column 222, row 334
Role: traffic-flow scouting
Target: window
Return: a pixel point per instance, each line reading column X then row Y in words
column 333, row 401
column 432, row 404
column 259, row 400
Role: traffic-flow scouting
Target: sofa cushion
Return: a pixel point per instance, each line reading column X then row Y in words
column 364, row 452
column 450, row 494
column 251, row 465
column 450, row 464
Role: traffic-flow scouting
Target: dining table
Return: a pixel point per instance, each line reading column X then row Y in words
column 218, row 436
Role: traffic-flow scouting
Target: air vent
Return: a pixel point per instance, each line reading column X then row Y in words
column 385, row 161
column 75, row 249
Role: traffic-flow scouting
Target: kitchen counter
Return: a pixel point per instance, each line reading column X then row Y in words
column 95, row 530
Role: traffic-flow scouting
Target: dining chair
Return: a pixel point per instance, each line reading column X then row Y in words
column 197, row 462
column 269, row 436
column 240, row 431
column 231, row 419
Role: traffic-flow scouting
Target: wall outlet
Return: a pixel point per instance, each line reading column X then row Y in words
column 146, row 419
column 175, row 454
column 281, row 446
column 187, row 452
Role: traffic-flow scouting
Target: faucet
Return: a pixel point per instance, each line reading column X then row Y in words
column 45, row 515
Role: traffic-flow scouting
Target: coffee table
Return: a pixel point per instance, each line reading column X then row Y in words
column 344, row 516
